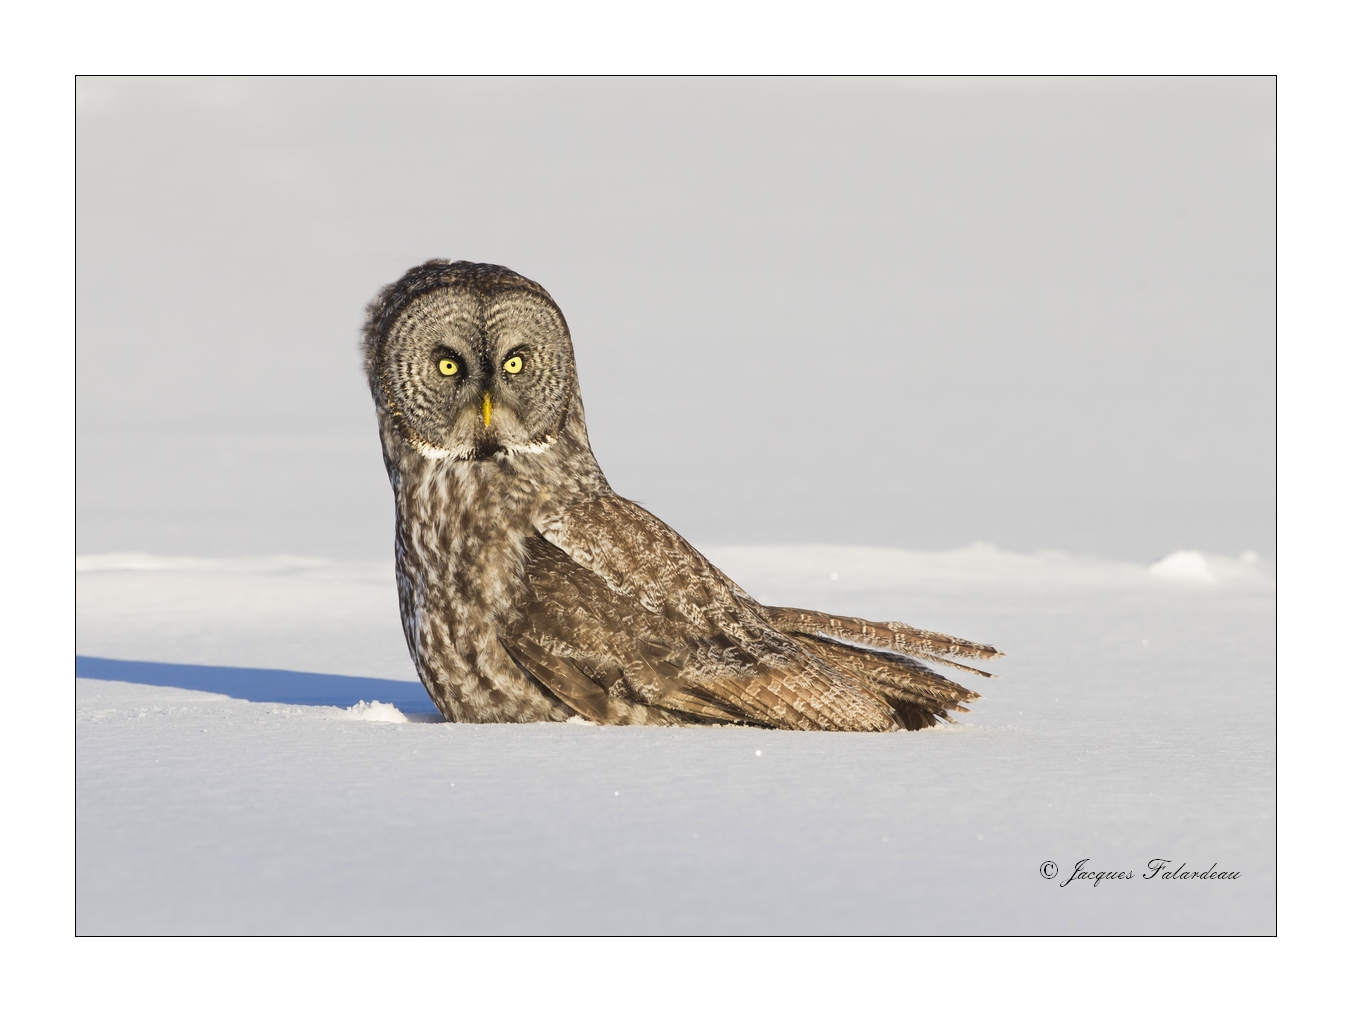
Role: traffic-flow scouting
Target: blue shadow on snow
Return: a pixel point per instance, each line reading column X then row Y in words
column 261, row 685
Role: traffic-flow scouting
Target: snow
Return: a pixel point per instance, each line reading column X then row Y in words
column 242, row 765
column 275, row 612
column 1184, row 565
column 386, row 713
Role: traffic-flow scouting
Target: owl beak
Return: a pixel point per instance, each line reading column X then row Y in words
column 488, row 410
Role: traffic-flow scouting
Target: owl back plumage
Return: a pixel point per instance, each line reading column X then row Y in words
column 530, row 591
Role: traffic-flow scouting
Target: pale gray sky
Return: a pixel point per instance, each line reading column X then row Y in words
column 904, row 312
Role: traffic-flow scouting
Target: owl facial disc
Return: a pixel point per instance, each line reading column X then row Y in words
column 476, row 372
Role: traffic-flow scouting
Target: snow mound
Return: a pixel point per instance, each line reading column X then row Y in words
column 1184, row 565
column 386, row 713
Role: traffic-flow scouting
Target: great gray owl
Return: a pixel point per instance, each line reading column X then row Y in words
column 530, row 591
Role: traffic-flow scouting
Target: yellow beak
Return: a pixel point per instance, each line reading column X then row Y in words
column 488, row 410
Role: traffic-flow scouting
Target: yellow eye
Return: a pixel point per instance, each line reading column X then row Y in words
column 448, row 367
column 513, row 364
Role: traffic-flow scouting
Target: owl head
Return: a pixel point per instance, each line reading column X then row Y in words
column 471, row 361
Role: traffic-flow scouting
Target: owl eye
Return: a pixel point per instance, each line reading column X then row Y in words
column 449, row 367
column 513, row 365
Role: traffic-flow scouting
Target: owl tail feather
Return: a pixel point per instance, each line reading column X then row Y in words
column 919, row 696
column 892, row 637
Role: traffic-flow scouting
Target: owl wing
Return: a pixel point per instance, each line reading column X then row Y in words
column 621, row 611
column 595, row 650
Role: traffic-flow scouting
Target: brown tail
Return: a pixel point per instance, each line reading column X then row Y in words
column 893, row 637
column 919, row 696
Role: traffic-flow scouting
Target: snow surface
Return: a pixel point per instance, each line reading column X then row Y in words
column 1133, row 719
